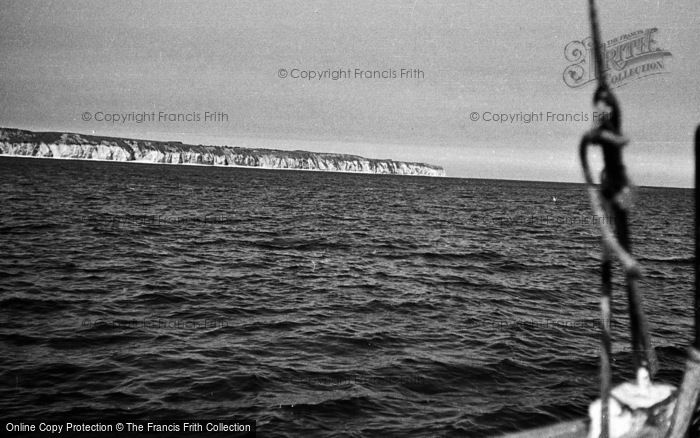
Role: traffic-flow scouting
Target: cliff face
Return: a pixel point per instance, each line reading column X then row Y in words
column 90, row 147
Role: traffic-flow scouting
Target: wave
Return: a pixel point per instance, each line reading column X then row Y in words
column 673, row 260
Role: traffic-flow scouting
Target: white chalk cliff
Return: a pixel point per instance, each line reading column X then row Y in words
column 90, row 147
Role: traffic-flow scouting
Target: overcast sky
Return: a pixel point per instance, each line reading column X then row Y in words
column 62, row 59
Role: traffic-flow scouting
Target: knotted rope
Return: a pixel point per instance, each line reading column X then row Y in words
column 611, row 200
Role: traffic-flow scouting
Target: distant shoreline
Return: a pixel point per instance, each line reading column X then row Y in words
column 65, row 145
column 233, row 166
column 574, row 183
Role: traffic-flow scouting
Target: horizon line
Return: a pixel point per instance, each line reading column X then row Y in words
column 315, row 152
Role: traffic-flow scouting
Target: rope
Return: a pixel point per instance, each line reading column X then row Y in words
column 597, row 56
column 687, row 408
column 609, row 201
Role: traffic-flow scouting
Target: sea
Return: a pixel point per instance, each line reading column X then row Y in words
column 319, row 304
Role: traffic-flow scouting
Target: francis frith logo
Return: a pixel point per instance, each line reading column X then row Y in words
column 626, row 58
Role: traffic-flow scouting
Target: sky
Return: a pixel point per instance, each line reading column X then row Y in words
column 70, row 65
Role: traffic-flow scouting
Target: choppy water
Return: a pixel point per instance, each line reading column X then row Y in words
column 316, row 303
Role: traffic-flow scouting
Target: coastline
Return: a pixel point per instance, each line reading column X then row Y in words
column 235, row 166
column 64, row 145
